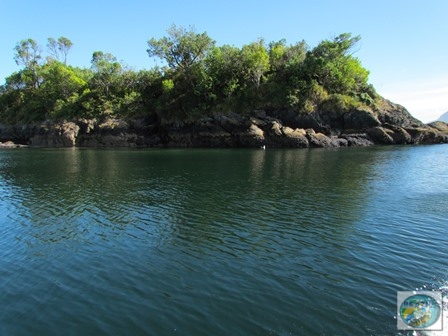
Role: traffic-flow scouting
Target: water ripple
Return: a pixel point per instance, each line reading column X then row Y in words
column 216, row 242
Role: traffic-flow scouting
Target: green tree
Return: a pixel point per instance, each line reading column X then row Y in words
column 184, row 51
column 197, row 78
column 61, row 80
column 284, row 80
column 61, row 89
column 295, row 54
column 331, row 63
column 255, row 62
column 106, row 70
column 59, row 48
column 224, row 68
column 277, row 54
column 28, row 54
column 182, row 48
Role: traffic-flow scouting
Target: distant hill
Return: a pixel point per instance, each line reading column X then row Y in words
column 443, row 117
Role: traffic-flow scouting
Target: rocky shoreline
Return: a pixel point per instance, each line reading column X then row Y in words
column 279, row 129
column 10, row 144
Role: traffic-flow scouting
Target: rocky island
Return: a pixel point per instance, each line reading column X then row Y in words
column 279, row 130
column 274, row 95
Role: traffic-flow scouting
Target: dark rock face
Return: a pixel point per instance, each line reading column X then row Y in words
column 19, row 134
column 357, row 139
column 381, row 135
column 388, row 124
column 55, row 135
column 440, row 126
column 427, row 136
column 394, row 114
column 110, row 133
column 320, row 140
column 360, row 119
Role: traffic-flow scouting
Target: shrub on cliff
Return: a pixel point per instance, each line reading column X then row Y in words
column 197, row 78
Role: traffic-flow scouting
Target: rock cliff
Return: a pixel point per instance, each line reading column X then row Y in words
column 388, row 124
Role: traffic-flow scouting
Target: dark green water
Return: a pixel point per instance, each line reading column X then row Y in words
column 218, row 242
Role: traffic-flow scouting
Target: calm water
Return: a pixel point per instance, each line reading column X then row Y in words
column 218, row 242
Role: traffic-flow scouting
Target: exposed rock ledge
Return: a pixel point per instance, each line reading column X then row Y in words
column 10, row 144
column 392, row 125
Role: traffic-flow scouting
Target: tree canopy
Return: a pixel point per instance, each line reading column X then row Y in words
column 182, row 48
column 196, row 78
column 59, row 48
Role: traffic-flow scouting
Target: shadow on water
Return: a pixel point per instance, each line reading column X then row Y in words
column 87, row 194
column 107, row 188
column 313, row 190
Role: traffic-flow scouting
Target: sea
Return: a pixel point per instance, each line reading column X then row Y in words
column 220, row 241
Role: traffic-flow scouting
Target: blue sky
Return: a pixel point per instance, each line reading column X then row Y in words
column 404, row 42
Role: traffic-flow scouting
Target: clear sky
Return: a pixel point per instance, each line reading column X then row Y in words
column 404, row 42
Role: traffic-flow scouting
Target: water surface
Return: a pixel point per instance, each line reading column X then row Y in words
column 218, row 242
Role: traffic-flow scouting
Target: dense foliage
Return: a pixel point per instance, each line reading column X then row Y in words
column 198, row 78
